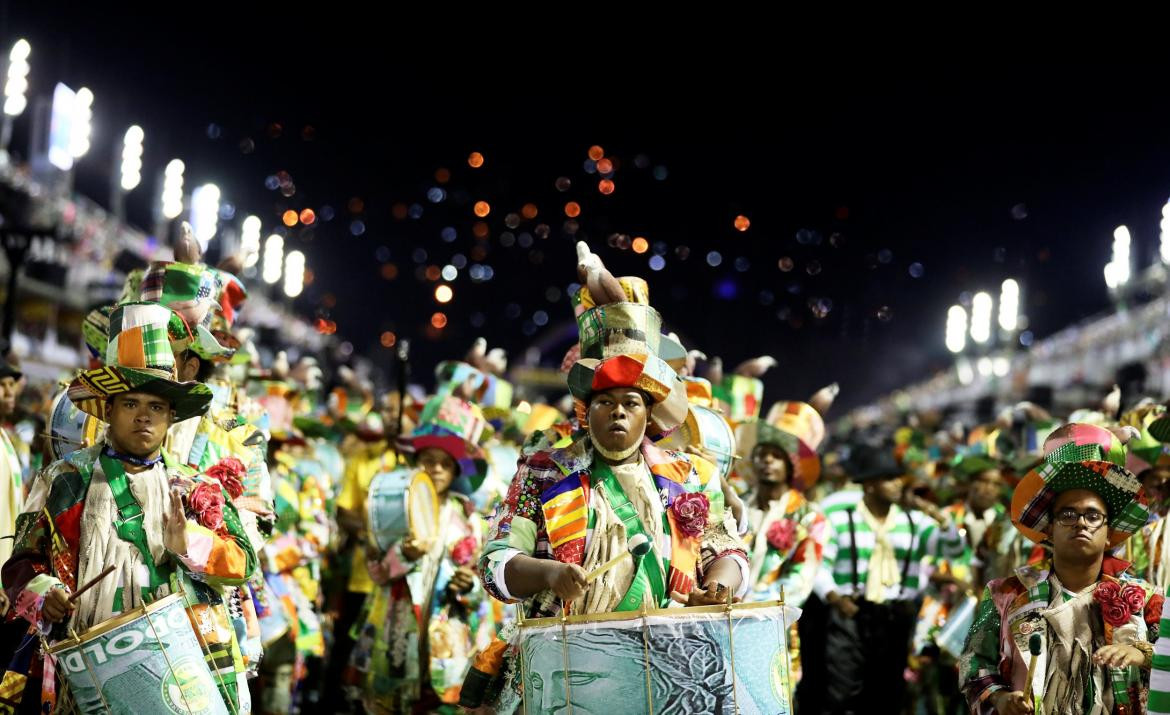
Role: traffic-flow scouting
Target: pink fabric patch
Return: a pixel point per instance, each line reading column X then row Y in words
column 200, row 541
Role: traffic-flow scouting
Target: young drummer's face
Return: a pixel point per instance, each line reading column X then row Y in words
column 1079, row 540
column 138, row 423
column 439, row 466
column 617, row 418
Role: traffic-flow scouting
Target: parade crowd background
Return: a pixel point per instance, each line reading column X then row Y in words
column 902, row 285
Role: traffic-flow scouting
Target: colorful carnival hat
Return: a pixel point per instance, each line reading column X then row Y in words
column 271, row 407
column 648, row 373
column 607, row 326
column 193, row 291
column 456, row 427
column 1080, row 456
column 95, row 329
column 743, row 395
column 699, row 391
column 138, row 358
column 486, row 389
column 1159, row 427
column 1145, row 450
column 794, row 427
column 628, row 328
column 968, row 466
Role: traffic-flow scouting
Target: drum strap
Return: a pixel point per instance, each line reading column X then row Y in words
column 852, row 549
column 909, row 554
column 644, row 574
column 130, row 517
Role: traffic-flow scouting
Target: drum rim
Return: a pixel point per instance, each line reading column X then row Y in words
column 90, row 427
column 693, row 421
column 655, row 612
column 116, row 622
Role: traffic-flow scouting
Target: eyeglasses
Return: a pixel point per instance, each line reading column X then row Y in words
column 1070, row 517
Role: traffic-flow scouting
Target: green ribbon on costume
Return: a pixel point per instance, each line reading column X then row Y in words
column 129, row 521
column 645, row 575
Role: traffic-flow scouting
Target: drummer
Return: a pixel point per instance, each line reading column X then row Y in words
column 432, row 575
column 571, row 510
column 1092, row 621
column 125, row 503
column 787, row 531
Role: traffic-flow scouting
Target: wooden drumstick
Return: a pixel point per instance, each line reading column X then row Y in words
column 638, row 547
column 1034, row 645
column 92, row 582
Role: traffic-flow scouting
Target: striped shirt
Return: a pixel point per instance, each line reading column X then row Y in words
column 911, row 547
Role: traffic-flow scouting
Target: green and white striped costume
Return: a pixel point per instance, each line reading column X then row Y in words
column 914, row 536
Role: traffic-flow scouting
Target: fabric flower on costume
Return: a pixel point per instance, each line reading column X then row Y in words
column 229, row 472
column 782, row 534
column 1153, row 609
column 1116, row 604
column 463, row 553
column 690, row 513
column 1134, row 597
column 206, row 502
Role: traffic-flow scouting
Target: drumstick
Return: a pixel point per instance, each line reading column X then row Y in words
column 1033, row 648
column 92, row 582
column 638, row 547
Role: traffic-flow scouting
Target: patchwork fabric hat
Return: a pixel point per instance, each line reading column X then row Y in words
column 486, row 389
column 1081, row 456
column 699, row 391
column 456, row 427
column 193, row 291
column 138, row 358
column 744, row 396
column 1144, row 450
column 630, row 326
column 619, row 328
column 95, row 329
column 647, row 373
column 795, row 427
column 969, row 465
column 274, row 412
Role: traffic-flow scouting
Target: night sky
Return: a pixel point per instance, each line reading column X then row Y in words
column 862, row 174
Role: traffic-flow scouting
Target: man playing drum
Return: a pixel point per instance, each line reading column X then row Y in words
column 125, row 503
column 571, row 510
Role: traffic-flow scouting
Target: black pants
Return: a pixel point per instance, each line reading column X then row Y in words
column 812, row 626
column 334, row 692
column 865, row 658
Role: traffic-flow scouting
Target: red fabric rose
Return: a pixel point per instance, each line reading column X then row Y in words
column 782, row 534
column 206, row 502
column 230, row 472
column 1115, row 606
column 464, row 551
column 1153, row 611
column 1107, row 591
column 690, row 513
column 1134, row 597
column 1115, row 613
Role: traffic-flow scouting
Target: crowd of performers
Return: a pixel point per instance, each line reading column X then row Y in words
column 340, row 550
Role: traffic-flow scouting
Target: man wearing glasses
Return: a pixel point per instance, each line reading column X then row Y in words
column 1071, row 634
